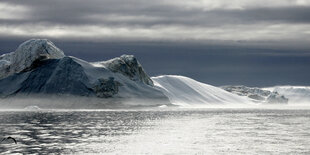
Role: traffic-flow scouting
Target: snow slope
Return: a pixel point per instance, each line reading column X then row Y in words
column 185, row 91
column 295, row 94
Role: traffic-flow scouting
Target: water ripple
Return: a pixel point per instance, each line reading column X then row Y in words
column 157, row 132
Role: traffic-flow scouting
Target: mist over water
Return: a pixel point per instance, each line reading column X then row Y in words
column 158, row 131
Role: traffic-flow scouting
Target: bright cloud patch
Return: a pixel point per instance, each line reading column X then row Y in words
column 250, row 20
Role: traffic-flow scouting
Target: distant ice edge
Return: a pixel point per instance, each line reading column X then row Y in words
column 186, row 92
column 296, row 94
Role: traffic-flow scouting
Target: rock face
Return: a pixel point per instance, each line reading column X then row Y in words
column 254, row 93
column 24, row 56
column 130, row 67
column 257, row 94
column 106, row 87
column 38, row 67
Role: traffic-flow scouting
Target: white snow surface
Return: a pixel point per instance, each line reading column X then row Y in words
column 26, row 54
column 184, row 91
column 295, row 94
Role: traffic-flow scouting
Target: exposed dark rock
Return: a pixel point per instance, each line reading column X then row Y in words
column 106, row 87
column 256, row 97
column 130, row 67
column 257, row 94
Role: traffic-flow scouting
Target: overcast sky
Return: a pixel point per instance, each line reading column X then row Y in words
column 214, row 41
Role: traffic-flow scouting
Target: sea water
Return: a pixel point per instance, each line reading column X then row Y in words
column 156, row 131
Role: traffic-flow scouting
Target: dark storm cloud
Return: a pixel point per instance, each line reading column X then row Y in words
column 212, row 64
column 135, row 20
column 150, row 13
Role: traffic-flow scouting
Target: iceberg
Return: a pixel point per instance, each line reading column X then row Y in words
column 32, row 108
column 38, row 69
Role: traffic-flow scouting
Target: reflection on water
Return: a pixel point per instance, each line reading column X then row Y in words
column 157, row 132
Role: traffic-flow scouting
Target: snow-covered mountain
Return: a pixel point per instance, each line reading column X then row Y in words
column 295, row 94
column 184, row 91
column 38, row 68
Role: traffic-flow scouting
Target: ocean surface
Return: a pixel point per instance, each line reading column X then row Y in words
column 156, row 131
